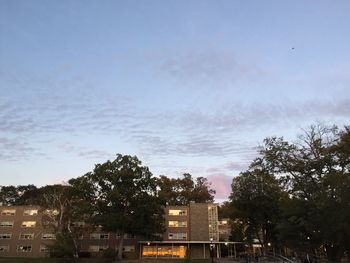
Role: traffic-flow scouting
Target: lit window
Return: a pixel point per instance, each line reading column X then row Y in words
column 28, row 223
column 26, row 248
column 177, row 224
column 177, row 212
column 26, row 236
column 48, row 236
column 30, row 212
column 177, row 236
column 4, row 248
column 6, row 224
column 223, row 223
column 97, row 248
column 5, row 235
column 99, row 236
column 51, row 212
column 8, row 212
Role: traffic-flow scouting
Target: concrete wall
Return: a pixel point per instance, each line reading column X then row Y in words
column 199, row 222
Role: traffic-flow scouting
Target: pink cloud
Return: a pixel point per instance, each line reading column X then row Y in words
column 221, row 183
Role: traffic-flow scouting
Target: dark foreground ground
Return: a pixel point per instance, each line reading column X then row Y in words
column 96, row 260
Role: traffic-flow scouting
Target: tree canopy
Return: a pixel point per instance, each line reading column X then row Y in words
column 181, row 191
column 314, row 174
column 125, row 198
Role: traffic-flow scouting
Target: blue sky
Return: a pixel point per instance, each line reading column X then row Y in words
column 187, row 86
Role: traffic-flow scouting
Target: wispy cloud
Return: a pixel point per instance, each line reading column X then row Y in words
column 13, row 149
column 213, row 65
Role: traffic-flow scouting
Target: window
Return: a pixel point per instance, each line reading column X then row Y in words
column 44, row 248
column 97, row 248
column 51, row 212
column 177, row 224
column 99, row 236
column 129, row 248
column 5, row 235
column 177, row 212
column 6, row 224
column 26, row 248
column 178, row 236
column 8, row 212
column 26, row 236
column 174, row 251
column 223, row 223
column 48, row 236
column 30, row 212
column 28, row 223
column 4, row 248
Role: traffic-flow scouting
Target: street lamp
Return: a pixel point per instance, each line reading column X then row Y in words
column 211, row 250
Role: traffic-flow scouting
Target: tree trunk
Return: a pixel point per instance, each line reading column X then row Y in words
column 120, row 246
column 334, row 252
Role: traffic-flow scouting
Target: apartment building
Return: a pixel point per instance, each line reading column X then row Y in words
column 25, row 231
column 22, row 233
column 189, row 229
column 192, row 229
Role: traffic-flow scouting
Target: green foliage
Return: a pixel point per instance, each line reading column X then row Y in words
column 255, row 199
column 181, row 191
column 17, row 195
column 313, row 208
column 63, row 247
column 124, row 198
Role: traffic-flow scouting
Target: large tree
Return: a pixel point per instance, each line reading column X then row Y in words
column 62, row 207
column 255, row 199
column 181, row 191
column 125, row 198
column 315, row 172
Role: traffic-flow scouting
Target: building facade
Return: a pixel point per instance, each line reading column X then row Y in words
column 191, row 230
column 26, row 231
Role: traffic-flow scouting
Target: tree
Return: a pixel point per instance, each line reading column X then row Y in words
column 255, row 199
column 125, row 198
column 181, row 191
column 62, row 206
column 315, row 173
column 16, row 195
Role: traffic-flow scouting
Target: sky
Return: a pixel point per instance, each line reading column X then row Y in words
column 186, row 86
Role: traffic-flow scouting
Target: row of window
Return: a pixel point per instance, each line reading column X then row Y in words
column 178, row 212
column 27, row 236
column 98, row 248
column 12, row 212
column 34, row 212
column 24, row 248
column 43, row 248
column 52, row 236
column 24, row 224
column 178, row 236
column 177, row 223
